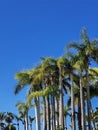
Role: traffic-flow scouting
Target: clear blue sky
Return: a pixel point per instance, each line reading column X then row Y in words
column 30, row 29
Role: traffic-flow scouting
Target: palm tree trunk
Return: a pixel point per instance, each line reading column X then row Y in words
column 44, row 115
column 61, row 105
column 48, row 112
column 53, row 112
column 37, row 113
column 82, row 104
column 88, row 101
column 26, row 121
column 79, row 111
column 53, row 106
column 72, row 103
column 56, row 112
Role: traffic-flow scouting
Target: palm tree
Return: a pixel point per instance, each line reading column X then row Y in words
column 47, row 75
column 65, row 68
column 87, row 50
column 9, row 120
column 80, row 68
column 60, row 63
column 50, row 81
column 27, row 78
column 35, row 86
column 24, row 108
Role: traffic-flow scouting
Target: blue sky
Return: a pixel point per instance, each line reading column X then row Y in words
column 33, row 29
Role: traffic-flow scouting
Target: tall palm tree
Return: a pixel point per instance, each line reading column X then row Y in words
column 66, row 68
column 87, row 50
column 27, row 78
column 50, row 71
column 47, row 74
column 60, row 63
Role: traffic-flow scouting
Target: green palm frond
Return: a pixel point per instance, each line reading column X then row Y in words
column 66, row 111
column 72, row 45
column 84, row 37
column 94, row 42
column 23, row 80
column 93, row 72
column 22, row 108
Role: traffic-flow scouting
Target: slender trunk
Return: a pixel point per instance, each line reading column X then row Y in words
column 37, row 113
column 26, row 121
column 72, row 103
column 79, row 111
column 24, row 125
column 57, row 112
column 82, row 104
column 61, row 105
column 88, row 101
column 44, row 115
column 52, row 112
column 54, row 122
column 48, row 112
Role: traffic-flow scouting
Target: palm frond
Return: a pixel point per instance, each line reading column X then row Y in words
column 74, row 45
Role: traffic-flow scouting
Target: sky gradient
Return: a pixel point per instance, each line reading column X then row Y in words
column 33, row 29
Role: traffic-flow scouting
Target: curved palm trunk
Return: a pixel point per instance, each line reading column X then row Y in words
column 61, row 105
column 37, row 113
column 72, row 103
column 82, row 104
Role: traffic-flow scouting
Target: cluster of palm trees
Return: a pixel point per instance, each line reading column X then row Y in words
column 54, row 79
column 8, row 121
column 11, row 121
